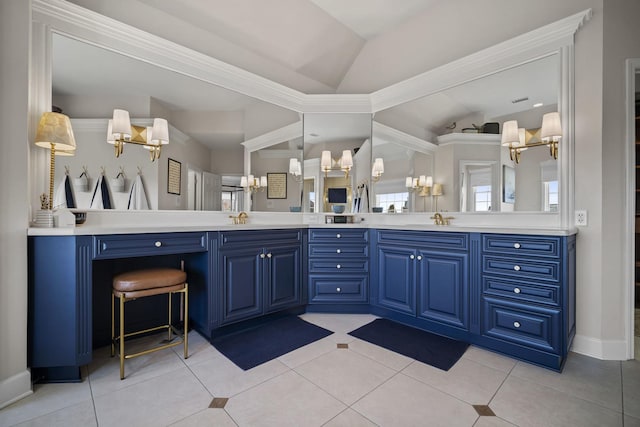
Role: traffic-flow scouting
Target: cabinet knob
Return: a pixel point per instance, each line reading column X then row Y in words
column 412, row 256
column 516, row 245
column 269, row 255
column 338, row 235
column 338, row 289
column 158, row 244
column 419, row 257
column 516, row 290
column 338, row 266
column 516, row 324
column 262, row 255
column 338, row 251
column 516, row 267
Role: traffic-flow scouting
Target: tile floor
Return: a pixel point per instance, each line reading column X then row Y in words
column 321, row 385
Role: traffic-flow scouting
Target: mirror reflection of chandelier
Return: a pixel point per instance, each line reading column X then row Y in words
column 344, row 163
column 120, row 131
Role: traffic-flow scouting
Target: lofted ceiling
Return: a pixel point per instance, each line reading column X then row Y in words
column 319, row 39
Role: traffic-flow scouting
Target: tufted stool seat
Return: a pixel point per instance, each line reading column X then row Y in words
column 144, row 283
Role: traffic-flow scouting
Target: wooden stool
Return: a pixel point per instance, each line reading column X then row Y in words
column 145, row 283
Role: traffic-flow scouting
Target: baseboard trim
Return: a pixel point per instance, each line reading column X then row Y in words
column 15, row 388
column 600, row 349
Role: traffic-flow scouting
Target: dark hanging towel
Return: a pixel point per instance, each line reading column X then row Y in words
column 68, row 193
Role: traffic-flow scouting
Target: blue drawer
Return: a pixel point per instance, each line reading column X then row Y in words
column 522, row 268
column 425, row 239
column 349, row 265
column 259, row 237
column 338, row 235
column 331, row 289
column 521, row 245
column 530, row 326
column 338, row 251
column 132, row 245
column 518, row 290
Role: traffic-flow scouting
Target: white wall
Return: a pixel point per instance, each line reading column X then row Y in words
column 15, row 29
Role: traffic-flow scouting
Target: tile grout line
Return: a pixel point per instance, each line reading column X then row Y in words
column 93, row 400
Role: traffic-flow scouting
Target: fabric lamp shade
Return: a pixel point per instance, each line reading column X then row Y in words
column 325, row 160
column 429, row 181
column 243, row 182
column 263, row 181
column 510, row 134
column 55, row 128
column 121, row 124
column 346, row 161
column 551, row 127
column 160, row 132
column 437, row 190
column 409, row 182
column 378, row 167
column 110, row 137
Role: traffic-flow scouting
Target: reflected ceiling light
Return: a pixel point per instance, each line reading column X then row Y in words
column 120, row 131
column 516, row 138
column 538, row 104
column 55, row 133
column 422, row 183
column 378, row 169
column 252, row 184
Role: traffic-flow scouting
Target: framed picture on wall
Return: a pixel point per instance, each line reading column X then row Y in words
column 174, row 171
column 508, row 184
column 276, row 185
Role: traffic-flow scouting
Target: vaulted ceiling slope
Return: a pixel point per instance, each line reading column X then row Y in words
column 308, row 45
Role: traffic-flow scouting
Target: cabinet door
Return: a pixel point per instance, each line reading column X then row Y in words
column 241, row 283
column 442, row 290
column 284, row 283
column 396, row 279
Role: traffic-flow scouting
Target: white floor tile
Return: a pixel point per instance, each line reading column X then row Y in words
column 492, row 422
column 467, row 380
column 207, row 418
column 343, row 323
column 46, row 399
column 526, row 403
column 631, row 387
column 345, row 374
column 404, row 401
column 286, row 400
column 81, row 414
column 630, row 421
column 489, row 358
column 200, row 349
column 308, row 352
column 598, row 381
column 349, row 418
column 388, row 358
column 159, row 401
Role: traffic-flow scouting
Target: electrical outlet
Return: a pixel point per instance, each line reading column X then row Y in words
column 581, row 218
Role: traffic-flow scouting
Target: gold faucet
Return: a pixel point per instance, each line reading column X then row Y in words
column 240, row 219
column 441, row 220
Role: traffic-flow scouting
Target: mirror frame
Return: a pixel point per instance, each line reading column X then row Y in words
column 59, row 16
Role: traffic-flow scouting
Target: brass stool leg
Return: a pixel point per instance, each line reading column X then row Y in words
column 121, row 337
column 113, row 331
column 185, row 332
column 169, row 321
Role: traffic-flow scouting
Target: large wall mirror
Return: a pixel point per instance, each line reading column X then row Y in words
column 207, row 125
column 460, row 128
column 337, row 162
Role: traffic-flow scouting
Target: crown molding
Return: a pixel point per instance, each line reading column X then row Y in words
column 469, row 138
column 535, row 44
column 386, row 133
column 286, row 133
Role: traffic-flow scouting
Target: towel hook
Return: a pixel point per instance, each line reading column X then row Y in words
column 85, row 172
column 139, row 170
column 121, row 173
column 66, row 170
column 102, row 170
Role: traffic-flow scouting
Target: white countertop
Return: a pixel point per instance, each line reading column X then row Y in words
column 123, row 222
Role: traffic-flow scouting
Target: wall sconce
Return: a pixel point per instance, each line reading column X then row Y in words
column 253, row 184
column 423, row 183
column 436, row 191
column 378, row 169
column 120, row 131
column 295, row 168
column 345, row 162
column 55, row 133
column 515, row 138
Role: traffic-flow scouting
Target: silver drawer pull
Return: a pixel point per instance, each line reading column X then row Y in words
column 419, row 257
column 338, row 235
column 338, row 251
column 516, row 267
column 269, row 255
column 262, row 255
column 158, row 244
column 411, row 256
column 338, row 266
column 338, row 289
column 516, row 290
column 516, row 324
column 516, row 245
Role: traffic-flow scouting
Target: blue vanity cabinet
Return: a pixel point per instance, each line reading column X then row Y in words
column 527, row 300
column 260, row 273
column 338, row 269
column 421, row 278
column 59, row 314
